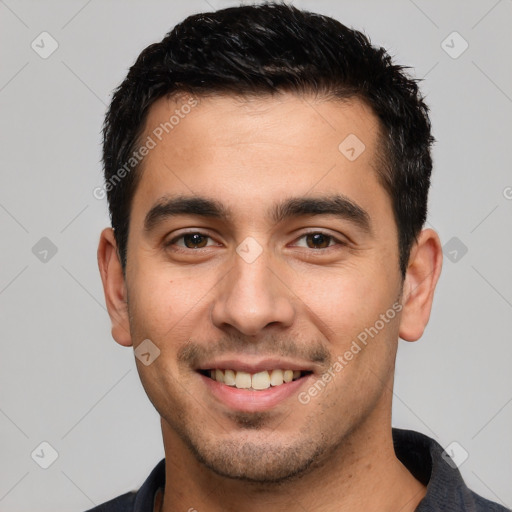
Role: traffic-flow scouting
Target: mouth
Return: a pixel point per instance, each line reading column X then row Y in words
column 253, row 387
column 258, row 381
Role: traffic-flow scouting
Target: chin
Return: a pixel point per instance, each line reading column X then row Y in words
column 258, row 462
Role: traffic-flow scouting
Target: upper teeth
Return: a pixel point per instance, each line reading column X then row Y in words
column 260, row 380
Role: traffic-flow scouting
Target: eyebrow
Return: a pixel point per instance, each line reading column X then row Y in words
column 336, row 205
column 184, row 205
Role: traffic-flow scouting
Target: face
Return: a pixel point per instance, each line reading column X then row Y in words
column 259, row 250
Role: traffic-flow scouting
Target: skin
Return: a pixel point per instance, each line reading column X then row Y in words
column 297, row 300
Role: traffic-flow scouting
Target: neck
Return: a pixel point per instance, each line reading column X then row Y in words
column 362, row 473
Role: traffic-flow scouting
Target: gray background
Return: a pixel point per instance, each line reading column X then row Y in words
column 63, row 379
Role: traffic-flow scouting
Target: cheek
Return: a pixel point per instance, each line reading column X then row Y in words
column 346, row 301
column 165, row 305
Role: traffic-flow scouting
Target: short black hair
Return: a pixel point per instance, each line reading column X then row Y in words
column 267, row 49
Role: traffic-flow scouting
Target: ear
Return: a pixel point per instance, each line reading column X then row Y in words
column 114, row 287
column 423, row 272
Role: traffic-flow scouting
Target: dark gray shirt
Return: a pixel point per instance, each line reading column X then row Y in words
column 421, row 455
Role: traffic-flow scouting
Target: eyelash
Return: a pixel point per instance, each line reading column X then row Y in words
column 331, row 239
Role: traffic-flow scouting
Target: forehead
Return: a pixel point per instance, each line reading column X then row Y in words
column 249, row 150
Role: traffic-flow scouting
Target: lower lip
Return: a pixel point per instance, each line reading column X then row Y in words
column 253, row 401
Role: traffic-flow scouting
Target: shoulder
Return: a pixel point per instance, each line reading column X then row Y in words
column 124, row 503
column 483, row 505
column 429, row 463
column 137, row 501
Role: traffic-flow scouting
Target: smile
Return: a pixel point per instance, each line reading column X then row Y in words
column 254, row 381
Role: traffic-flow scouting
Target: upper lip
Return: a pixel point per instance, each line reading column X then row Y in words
column 256, row 365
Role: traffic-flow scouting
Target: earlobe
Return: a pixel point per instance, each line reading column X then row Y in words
column 114, row 287
column 423, row 272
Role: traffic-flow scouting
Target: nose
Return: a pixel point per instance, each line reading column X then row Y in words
column 253, row 297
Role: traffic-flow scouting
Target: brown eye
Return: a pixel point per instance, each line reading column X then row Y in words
column 318, row 240
column 194, row 240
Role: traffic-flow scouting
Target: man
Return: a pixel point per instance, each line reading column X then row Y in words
column 267, row 172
